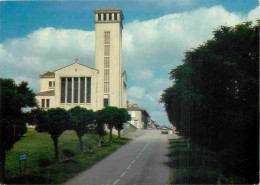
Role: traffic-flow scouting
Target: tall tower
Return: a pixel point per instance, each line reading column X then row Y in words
column 108, row 56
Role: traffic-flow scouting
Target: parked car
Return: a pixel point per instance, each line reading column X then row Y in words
column 164, row 131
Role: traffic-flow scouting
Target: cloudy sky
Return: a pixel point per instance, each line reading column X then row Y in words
column 42, row 36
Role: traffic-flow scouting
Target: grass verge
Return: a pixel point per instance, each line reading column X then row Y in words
column 40, row 164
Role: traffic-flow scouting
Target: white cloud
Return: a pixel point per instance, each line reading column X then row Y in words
column 150, row 48
column 144, row 74
column 254, row 14
column 136, row 92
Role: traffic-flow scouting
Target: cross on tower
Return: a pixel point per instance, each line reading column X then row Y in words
column 76, row 60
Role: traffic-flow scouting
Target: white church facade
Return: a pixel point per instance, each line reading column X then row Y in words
column 93, row 88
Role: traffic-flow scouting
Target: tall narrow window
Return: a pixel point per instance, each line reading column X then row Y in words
column 106, row 64
column 43, row 102
column 82, row 90
column 76, row 89
column 63, row 90
column 50, row 83
column 105, row 17
column 106, row 102
column 115, row 16
column 69, row 90
column 47, row 102
column 107, row 37
column 88, row 89
column 99, row 17
column 107, row 50
column 53, row 83
column 110, row 16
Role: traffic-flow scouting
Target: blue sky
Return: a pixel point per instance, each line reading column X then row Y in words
column 41, row 36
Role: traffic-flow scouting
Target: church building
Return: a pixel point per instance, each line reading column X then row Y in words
column 93, row 88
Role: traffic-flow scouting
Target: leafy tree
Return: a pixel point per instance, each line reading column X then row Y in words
column 213, row 100
column 80, row 118
column 122, row 117
column 12, row 120
column 110, row 115
column 54, row 122
column 100, row 126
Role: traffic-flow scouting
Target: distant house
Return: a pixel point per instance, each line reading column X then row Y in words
column 140, row 117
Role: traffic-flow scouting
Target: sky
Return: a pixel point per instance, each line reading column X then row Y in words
column 39, row 36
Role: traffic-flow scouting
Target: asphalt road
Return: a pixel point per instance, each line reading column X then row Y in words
column 142, row 161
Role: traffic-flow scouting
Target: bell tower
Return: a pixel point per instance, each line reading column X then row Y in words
column 108, row 56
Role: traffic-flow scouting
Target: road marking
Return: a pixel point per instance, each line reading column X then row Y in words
column 129, row 166
column 123, row 173
column 116, row 182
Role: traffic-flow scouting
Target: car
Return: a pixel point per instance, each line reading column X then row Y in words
column 164, row 131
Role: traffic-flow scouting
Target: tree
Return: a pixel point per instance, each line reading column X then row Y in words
column 122, row 117
column 213, row 100
column 54, row 122
column 79, row 119
column 100, row 126
column 110, row 117
column 12, row 120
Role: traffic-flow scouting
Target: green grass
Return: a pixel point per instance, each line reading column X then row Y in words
column 187, row 166
column 40, row 149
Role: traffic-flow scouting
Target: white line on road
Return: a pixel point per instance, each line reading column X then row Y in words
column 129, row 166
column 116, row 182
column 123, row 174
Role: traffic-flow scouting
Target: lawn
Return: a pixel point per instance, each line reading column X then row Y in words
column 40, row 164
column 191, row 165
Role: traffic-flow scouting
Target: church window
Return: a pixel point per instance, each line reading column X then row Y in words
column 82, row 90
column 50, row 83
column 99, row 17
column 63, row 90
column 115, row 16
column 106, row 87
column 107, row 50
column 76, row 89
column 106, row 102
column 107, row 37
column 106, row 77
column 69, row 90
column 106, row 64
column 88, row 89
column 43, row 102
column 47, row 102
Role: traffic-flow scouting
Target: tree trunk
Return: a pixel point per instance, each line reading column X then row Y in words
column 118, row 133
column 2, row 165
column 99, row 140
column 55, row 141
column 111, row 128
column 80, row 143
column 218, row 170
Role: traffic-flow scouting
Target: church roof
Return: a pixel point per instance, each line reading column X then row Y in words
column 75, row 63
column 46, row 93
column 48, row 74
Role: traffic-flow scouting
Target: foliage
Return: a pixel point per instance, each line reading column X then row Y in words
column 122, row 117
column 54, row 122
column 12, row 120
column 79, row 118
column 213, row 100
